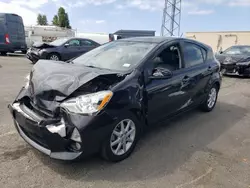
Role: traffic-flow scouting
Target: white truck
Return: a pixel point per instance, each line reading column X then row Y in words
column 39, row 33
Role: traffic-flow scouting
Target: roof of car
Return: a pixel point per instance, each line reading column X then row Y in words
column 155, row 39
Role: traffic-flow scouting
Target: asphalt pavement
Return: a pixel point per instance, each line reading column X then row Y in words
column 200, row 150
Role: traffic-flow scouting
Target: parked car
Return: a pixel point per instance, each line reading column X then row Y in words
column 102, row 100
column 235, row 60
column 12, row 35
column 61, row 49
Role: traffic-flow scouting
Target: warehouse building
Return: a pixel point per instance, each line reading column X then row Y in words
column 220, row 40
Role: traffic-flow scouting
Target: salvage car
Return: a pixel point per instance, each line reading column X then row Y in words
column 235, row 60
column 61, row 49
column 102, row 100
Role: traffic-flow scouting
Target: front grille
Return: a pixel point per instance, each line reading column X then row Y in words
column 35, row 137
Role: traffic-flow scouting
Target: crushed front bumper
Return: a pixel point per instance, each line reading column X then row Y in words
column 29, row 128
column 33, row 56
column 238, row 69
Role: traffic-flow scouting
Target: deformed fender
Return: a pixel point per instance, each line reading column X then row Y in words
column 216, row 78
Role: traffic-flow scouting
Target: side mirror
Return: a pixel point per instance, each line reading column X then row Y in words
column 161, row 73
column 220, row 52
column 66, row 45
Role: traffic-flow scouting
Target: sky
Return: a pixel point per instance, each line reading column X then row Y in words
column 111, row 15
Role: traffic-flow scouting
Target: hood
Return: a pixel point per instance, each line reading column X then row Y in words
column 232, row 59
column 42, row 45
column 51, row 82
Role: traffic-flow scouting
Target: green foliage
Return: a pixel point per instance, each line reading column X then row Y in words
column 42, row 19
column 61, row 19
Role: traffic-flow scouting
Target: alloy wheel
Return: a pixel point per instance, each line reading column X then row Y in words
column 212, row 98
column 54, row 57
column 123, row 137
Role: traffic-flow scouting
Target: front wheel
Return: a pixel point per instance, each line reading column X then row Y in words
column 211, row 99
column 54, row 56
column 122, row 140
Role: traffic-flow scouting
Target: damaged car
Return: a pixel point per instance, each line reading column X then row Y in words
column 101, row 101
column 61, row 49
column 235, row 60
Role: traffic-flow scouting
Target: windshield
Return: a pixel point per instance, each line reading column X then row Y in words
column 119, row 56
column 238, row 50
column 58, row 42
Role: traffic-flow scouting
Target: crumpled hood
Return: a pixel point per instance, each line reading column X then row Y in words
column 232, row 59
column 40, row 45
column 53, row 81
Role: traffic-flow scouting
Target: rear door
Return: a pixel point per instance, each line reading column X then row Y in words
column 72, row 50
column 87, row 45
column 2, row 29
column 198, row 70
column 16, row 32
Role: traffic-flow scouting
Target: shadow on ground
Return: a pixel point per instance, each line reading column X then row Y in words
column 161, row 151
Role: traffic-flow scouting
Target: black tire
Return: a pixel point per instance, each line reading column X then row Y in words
column 205, row 105
column 24, row 51
column 54, row 56
column 106, row 150
column 4, row 53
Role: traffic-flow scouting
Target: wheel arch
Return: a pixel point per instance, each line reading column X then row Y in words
column 56, row 53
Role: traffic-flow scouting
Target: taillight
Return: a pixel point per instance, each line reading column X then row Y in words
column 7, row 39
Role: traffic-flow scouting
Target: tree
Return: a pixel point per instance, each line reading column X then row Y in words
column 55, row 20
column 61, row 19
column 42, row 19
column 39, row 19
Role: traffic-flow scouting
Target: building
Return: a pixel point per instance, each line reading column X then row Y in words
column 220, row 40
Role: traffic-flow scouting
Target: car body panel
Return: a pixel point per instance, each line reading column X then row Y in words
column 42, row 50
column 235, row 64
column 12, row 25
column 150, row 100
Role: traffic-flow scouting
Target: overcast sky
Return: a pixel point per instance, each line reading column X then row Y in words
column 112, row 15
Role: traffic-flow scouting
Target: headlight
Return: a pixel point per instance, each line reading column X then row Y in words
column 88, row 104
column 27, row 81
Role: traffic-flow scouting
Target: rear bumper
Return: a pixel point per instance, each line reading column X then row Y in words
column 51, row 144
column 12, row 47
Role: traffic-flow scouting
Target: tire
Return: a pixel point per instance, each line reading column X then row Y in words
column 4, row 53
column 24, row 51
column 108, row 151
column 212, row 94
column 54, row 56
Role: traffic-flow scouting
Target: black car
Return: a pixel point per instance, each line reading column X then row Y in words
column 61, row 49
column 235, row 60
column 102, row 100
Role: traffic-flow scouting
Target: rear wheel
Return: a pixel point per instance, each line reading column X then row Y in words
column 211, row 99
column 24, row 51
column 122, row 140
column 54, row 56
column 3, row 53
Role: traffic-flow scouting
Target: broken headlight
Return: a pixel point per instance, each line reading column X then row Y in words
column 88, row 104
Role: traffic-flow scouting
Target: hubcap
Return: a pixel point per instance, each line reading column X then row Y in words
column 54, row 57
column 123, row 136
column 211, row 98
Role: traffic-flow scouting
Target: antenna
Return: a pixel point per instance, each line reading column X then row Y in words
column 171, row 18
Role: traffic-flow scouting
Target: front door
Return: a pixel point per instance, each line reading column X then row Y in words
column 73, row 49
column 167, row 96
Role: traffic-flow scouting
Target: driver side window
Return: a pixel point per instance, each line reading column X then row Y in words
column 169, row 58
column 74, row 42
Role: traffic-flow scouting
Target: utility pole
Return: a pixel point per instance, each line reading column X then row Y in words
column 171, row 18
